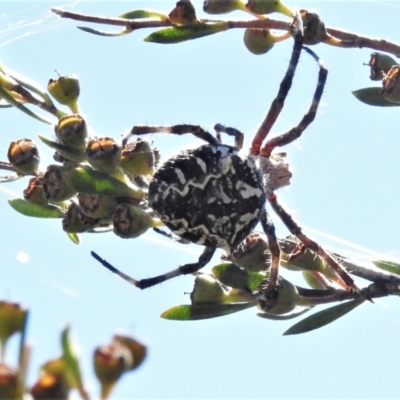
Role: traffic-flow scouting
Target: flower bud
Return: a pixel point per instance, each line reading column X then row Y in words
column 131, row 221
column 222, row 6
column 258, row 41
column 183, row 14
column 110, row 362
column 34, row 192
column 75, row 221
column 137, row 349
column 50, row 386
column 391, row 85
column 12, row 320
column 268, row 7
column 103, row 154
column 8, row 382
column 207, row 290
column 23, row 155
column 253, row 253
column 65, row 90
column 137, row 158
column 281, row 301
column 71, row 131
column 97, row 206
column 380, row 64
column 55, row 188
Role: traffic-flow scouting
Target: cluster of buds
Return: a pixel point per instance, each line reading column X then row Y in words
column 59, row 376
column 95, row 184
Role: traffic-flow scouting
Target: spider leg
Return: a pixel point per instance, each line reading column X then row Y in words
column 183, row 129
column 311, row 244
column 296, row 132
column 171, row 236
column 239, row 136
column 277, row 104
column 185, row 269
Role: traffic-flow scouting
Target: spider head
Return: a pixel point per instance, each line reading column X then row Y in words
column 275, row 171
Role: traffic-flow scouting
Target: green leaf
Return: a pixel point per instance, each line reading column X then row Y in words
column 74, row 237
column 232, row 275
column 324, row 317
column 188, row 312
column 29, row 209
column 68, row 152
column 7, row 96
column 71, row 362
column 178, row 34
column 104, row 33
column 89, row 181
column 389, row 266
column 373, row 97
column 139, row 14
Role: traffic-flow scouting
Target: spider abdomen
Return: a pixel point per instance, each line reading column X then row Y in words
column 212, row 195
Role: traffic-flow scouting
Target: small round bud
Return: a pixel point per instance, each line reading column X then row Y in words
column 23, row 155
column 268, row 7
column 55, row 188
column 258, row 41
column 391, row 85
column 71, row 131
column 281, row 301
column 131, row 221
column 103, row 154
column 65, row 90
column 222, row 6
column 34, row 191
column 183, row 14
column 207, row 290
column 96, row 205
column 380, row 64
column 314, row 27
column 137, row 158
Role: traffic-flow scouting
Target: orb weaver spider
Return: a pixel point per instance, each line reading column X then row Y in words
column 215, row 195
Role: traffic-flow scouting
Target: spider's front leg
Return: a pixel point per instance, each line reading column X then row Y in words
column 185, row 269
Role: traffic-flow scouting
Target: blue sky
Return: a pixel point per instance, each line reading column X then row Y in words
column 344, row 186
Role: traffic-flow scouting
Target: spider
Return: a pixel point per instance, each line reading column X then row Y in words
column 215, row 195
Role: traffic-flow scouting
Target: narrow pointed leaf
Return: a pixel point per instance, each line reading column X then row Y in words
column 4, row 94
column 187, row 312
column 178, row 34
column 89, row 181
column 139, row 14
column 74, row 237
column 373, row 97
column 29, row 209
column 324, row 317
column 68, row 152
column 389, row 266
column 104, row 33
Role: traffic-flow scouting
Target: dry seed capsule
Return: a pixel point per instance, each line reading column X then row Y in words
column 391, row 85
column 50, row 386
column 131, row 221
column 71, row 130
column 314, row 27
column 380, row 64
column 110, row 362
column 137, row 158
column 23, row 155
column 222, row 6
column 96, row 205
column 66, row 91
column 55, row 188
column 103, row 154
column 137, row 349
column 183, row 14
column 75, row 221
column 34, row 191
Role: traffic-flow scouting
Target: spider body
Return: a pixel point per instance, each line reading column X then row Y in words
column 213, row 195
